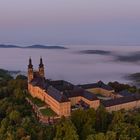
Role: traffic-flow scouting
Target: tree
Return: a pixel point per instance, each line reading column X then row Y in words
column 14, row 116
column 125, row 137
column 99, row 136
column 48, row 132
column 65, row 130
column 20, row 133
column 10, row 136
column 84, row 120
column 126, row 131
column 89, row 123
column 18, row 93
column 78, row 118
column 21, row 77
column 118, row 117
column 110, row 135
column 102, row 119
column 26, row 138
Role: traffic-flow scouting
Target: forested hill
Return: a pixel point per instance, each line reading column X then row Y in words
column 33, row 47
column 4, row 75
column 19, row 122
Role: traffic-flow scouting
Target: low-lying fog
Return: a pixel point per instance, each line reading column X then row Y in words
column 78, row 64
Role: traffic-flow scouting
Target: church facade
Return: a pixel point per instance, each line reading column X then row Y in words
column 60, row 96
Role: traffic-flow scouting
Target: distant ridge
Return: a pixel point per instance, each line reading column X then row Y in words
column 9, row 46
column 32, row 47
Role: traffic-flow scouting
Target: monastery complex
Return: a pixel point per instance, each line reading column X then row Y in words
column 63, row 97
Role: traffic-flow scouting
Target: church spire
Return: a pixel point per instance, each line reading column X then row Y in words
column 41, row 65
column 30, row 70
column 41, row 68
column 30, row 66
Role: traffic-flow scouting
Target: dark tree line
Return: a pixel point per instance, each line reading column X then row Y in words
column 120, row 87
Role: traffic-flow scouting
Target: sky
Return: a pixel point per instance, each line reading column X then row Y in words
column 27, row 22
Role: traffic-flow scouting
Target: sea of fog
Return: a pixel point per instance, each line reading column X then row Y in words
column 77, row 64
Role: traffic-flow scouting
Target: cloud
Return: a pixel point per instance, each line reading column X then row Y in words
column 98, row 52
column 132, row 58
column 126, row 57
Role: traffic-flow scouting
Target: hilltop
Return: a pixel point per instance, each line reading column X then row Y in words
column 18, row 121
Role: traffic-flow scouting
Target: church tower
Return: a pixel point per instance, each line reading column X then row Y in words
column 41, row 68
column 30, row 71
